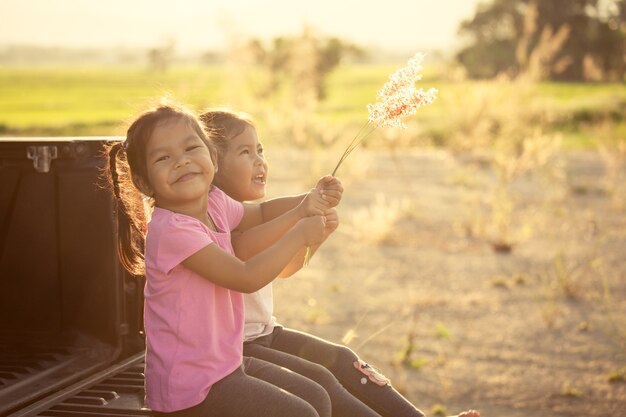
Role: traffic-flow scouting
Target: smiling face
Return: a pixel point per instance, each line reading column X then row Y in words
column 243, row 169
column 179, row 165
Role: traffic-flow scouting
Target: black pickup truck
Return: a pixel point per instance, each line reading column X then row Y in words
column 70, row 317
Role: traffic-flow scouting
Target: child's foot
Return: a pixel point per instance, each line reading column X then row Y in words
column 468, row 413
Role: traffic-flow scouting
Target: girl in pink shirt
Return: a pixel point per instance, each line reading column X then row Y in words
column 194, row 314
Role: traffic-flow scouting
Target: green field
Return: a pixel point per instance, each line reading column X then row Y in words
column 92, row 101
column 100, row 101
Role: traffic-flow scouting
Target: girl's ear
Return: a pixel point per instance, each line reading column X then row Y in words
column 143, row 185
column 214, row 157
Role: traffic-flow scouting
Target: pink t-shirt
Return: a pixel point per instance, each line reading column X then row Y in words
column 194, row 328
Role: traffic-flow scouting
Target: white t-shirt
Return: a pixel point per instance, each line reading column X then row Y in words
column 259, row 308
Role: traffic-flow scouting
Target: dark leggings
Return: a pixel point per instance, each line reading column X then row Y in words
column 261, row 389
column 302, row 352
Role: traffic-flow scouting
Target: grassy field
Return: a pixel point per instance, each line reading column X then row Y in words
column 63, row 101
column 100, row 101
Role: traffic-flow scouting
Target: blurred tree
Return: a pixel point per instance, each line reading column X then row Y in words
column 288, row 75
column 572, row 39
column 304, row 59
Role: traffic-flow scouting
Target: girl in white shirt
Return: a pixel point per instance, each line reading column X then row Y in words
column 355, row 388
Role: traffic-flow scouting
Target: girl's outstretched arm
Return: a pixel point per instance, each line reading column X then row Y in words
column 225, row 270
column 330, row 188
column 254, row 234
column 264, row 223
column 278, row 206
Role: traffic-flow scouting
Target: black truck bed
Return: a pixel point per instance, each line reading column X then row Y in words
column 115, row 391
column 68, row 309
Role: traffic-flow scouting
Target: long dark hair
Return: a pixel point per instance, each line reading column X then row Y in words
column 127, row 169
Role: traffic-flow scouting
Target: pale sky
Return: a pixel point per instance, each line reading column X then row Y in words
column 209, row 24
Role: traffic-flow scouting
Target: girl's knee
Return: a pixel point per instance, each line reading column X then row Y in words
column 320, row 374
column 318, row 397
column 344, row 353
column 342, row 357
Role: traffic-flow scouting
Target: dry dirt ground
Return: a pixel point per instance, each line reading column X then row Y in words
column 411, row 281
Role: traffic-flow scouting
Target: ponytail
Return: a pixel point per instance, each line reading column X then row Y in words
column 130, row 212
column 113, row 151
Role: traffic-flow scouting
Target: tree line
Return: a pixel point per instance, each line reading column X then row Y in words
column 566, row 40
column 559, row 40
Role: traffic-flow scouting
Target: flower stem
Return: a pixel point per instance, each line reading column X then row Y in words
column 353, row 144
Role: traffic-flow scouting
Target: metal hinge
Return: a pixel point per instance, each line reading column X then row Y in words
column 42, row 156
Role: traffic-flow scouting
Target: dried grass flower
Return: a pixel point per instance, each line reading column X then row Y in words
column 398, row 98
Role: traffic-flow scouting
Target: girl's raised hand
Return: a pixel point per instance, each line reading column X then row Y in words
column 313, row 204
column 331, row 189
column 313, row 228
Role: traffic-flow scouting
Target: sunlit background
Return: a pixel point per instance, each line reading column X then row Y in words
column 198, row 26
column 480, row 258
